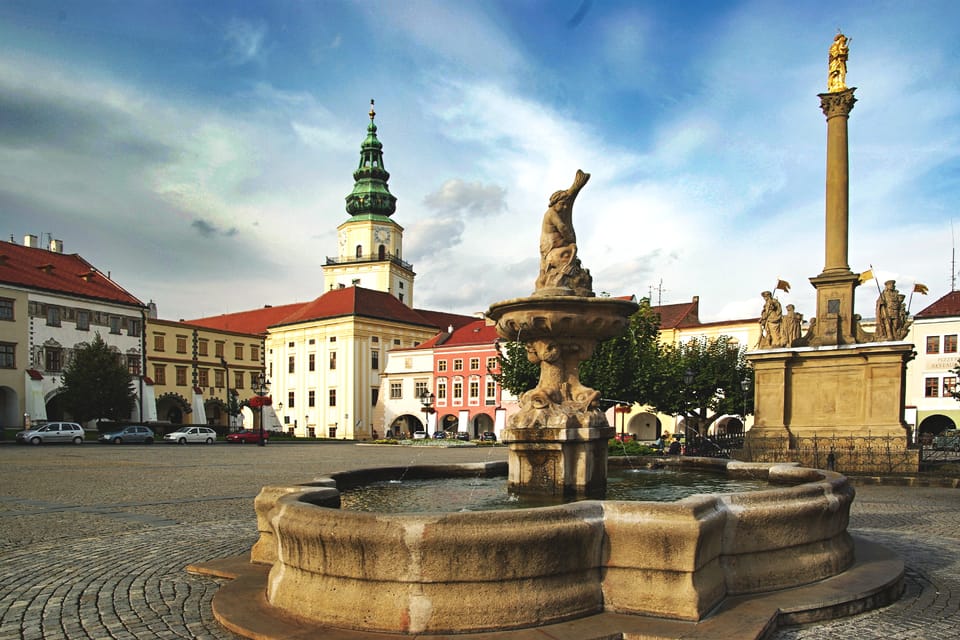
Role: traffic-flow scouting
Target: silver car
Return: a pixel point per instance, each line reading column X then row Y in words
column 129, row 434
column 183, row 435
column 52, row 432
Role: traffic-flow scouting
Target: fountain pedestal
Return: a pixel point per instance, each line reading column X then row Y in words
column 559, row 462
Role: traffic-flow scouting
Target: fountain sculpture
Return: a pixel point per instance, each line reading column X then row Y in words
column 599, row 568
column 558, row 439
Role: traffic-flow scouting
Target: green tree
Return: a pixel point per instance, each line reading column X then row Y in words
column 956, row 389
column 701, row 380
column 623, row 367
column 96, row 384
column 517, row 373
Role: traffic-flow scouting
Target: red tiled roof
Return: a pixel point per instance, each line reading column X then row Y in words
column 676, row 316
column 945, row 307
column 335, row 303
column 44, row 270
column 253, row 322
column 472, row 333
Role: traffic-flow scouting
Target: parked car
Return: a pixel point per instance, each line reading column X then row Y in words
column 463, row 435
column 129, row 434
column 247, row 436
column 183, row 435
column 420, row 435
column 52, row 432
column 439, row 435
column 488, row 436
column 949, row 440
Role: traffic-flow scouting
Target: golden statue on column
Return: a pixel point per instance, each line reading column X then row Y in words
column 839, row 52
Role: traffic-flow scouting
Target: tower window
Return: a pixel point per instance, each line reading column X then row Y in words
column 359, row 250
column 381, row 252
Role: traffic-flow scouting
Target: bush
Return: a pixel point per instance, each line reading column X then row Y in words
column 631, row 448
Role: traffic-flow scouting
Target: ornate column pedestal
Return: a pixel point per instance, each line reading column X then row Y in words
column 570, row 461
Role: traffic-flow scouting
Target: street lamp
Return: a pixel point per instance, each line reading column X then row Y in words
column 226, row 376
column 263, row 385
column 426, row 399
column 745, row 385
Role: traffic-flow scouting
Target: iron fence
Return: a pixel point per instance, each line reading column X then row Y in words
column 885, row 454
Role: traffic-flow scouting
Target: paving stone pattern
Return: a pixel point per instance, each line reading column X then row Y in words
column 94, row 539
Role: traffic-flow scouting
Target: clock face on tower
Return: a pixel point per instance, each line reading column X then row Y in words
column 381, row 234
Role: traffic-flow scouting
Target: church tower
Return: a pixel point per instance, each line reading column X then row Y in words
column 370, row 242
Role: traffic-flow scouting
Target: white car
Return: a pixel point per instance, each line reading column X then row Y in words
column 52, row 432
column 183, row 435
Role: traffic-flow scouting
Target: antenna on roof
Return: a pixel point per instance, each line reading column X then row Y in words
column 659, row 289
column 953, row 259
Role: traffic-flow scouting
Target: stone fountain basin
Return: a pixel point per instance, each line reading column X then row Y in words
column 473, row 571
column 567, row 317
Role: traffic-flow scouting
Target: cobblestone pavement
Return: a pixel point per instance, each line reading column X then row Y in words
column 94, row 539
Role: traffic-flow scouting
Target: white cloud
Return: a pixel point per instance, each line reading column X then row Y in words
column 244, row 41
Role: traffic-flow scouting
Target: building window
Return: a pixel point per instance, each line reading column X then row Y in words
column 950, row 344
column 237, row 351
column 474, row 364
column 254, row 352
column 374, row 396
column 53, row 316
column 442, row 389
column 311, row 398
column 160, row 374
column 396, row 342
column 83, row 320
column 396, row 390
column 181, row 344
column 291, row 398
column 218, row 349
column 400, row 297
column 181, row 376
column 312, row 341
column 359, row 251
column 474, row 388
column 458, row 365
column 133, row 327
column 375, row 360
column 949, row 386
column 491, row 390
column 6, row 309
column 311, row 362
column 8, row 355
column 931, row 388
column 133, row 364
column 115, row 322
column 291, row 364
column 238, row 379
column 203, row 377
column 203, row 348
column 333, row 360
column 441, row 365
column 933, row 344
column 419, row 388
column 53, row 359
column 492, row 364
column 333, row 338
column 333, row 398
column 457, row 389
column 375, row 339
column 218, row 378
column 290, row 345
column 158, row 342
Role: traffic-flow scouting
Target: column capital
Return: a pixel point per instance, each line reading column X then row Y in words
column 839, row 103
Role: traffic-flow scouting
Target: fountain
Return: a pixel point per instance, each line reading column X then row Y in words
column 602, row 568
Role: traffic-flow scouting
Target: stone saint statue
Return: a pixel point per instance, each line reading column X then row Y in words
column 891, row 314
column 770, row 323
column 790, row 326
column 560, row 270
column 837, row 76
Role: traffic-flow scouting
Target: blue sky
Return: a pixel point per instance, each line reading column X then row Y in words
column 201, row 151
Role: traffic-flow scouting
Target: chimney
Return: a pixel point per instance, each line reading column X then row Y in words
column 56, row 246
column 449, row 328
column 152, row 310
column 31, row 241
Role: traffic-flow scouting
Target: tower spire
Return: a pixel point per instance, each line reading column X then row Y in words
column 371, row 195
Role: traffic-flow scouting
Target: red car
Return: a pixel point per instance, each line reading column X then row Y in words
column 247, row 437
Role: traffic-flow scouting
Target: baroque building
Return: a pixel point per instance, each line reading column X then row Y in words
column 50, row 303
